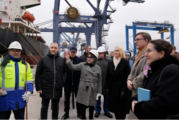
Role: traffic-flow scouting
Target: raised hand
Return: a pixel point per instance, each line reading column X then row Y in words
column 66, row 55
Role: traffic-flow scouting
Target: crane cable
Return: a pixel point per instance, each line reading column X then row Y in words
column 3, row 45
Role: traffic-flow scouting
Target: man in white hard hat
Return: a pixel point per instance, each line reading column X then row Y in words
column 12, row 83
column 103, row 63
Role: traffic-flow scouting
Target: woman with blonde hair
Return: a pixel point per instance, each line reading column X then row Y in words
column 116, row 86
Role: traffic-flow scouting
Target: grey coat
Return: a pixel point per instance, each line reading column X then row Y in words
column 103, row 63
column 137, row 76
column 90, row 83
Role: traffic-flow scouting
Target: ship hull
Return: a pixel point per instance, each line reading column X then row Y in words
column 33, row 49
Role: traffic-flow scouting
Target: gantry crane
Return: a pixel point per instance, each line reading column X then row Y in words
column 72, row 15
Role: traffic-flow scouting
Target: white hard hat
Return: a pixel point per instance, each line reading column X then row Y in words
column 15, row 45
column 94, row 52
column 101, row 49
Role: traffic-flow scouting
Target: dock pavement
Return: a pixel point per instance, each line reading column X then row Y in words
column 34, row 106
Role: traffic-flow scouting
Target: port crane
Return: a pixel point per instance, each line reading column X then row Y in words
column 98, row 20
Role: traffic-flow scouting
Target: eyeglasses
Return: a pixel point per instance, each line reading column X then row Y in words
column 100, row 53
column 149, row 50
column 90, row 57
column 136, row 40
column 15, row 50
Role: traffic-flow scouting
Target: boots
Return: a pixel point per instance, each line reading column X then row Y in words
column 65, row 116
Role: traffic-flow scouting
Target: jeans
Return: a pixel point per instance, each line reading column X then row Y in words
column 18, row 114
column 105, row 104
column 55, row 108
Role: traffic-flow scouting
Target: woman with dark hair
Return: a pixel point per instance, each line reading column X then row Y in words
column 162, row 79
column 116, row 84
column 90, row 86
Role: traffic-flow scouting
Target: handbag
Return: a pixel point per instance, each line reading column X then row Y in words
column 176, row 116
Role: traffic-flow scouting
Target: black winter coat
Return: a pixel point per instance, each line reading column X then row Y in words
column 73, row 77
column 84, row 56
column 116, row 83
column 49, row 76
column 103, row 64
column 164, row 93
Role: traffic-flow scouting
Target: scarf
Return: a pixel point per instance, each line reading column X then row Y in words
column 116, row 62
column 15, row 59
column 139, row 55
column 146, row 69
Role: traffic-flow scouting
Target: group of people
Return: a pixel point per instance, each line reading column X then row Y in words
column 93, row 75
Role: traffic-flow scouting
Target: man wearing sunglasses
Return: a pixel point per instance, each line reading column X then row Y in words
column 135, row 78
column 13, row 82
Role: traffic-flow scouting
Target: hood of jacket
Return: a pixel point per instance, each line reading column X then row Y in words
column 129, row 53
column 7, row 58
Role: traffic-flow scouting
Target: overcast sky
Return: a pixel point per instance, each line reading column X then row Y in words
column 151, row 10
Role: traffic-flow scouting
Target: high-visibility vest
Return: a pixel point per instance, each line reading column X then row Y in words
column 7, row 76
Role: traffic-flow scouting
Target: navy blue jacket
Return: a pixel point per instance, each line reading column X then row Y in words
column 73, row 77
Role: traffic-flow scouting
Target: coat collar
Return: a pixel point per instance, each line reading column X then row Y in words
column 120, row 66
column 7, row 58
column 163, row 62
column 50, row 55
column 89, row 69
column 85, row 53
column 73, row 58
